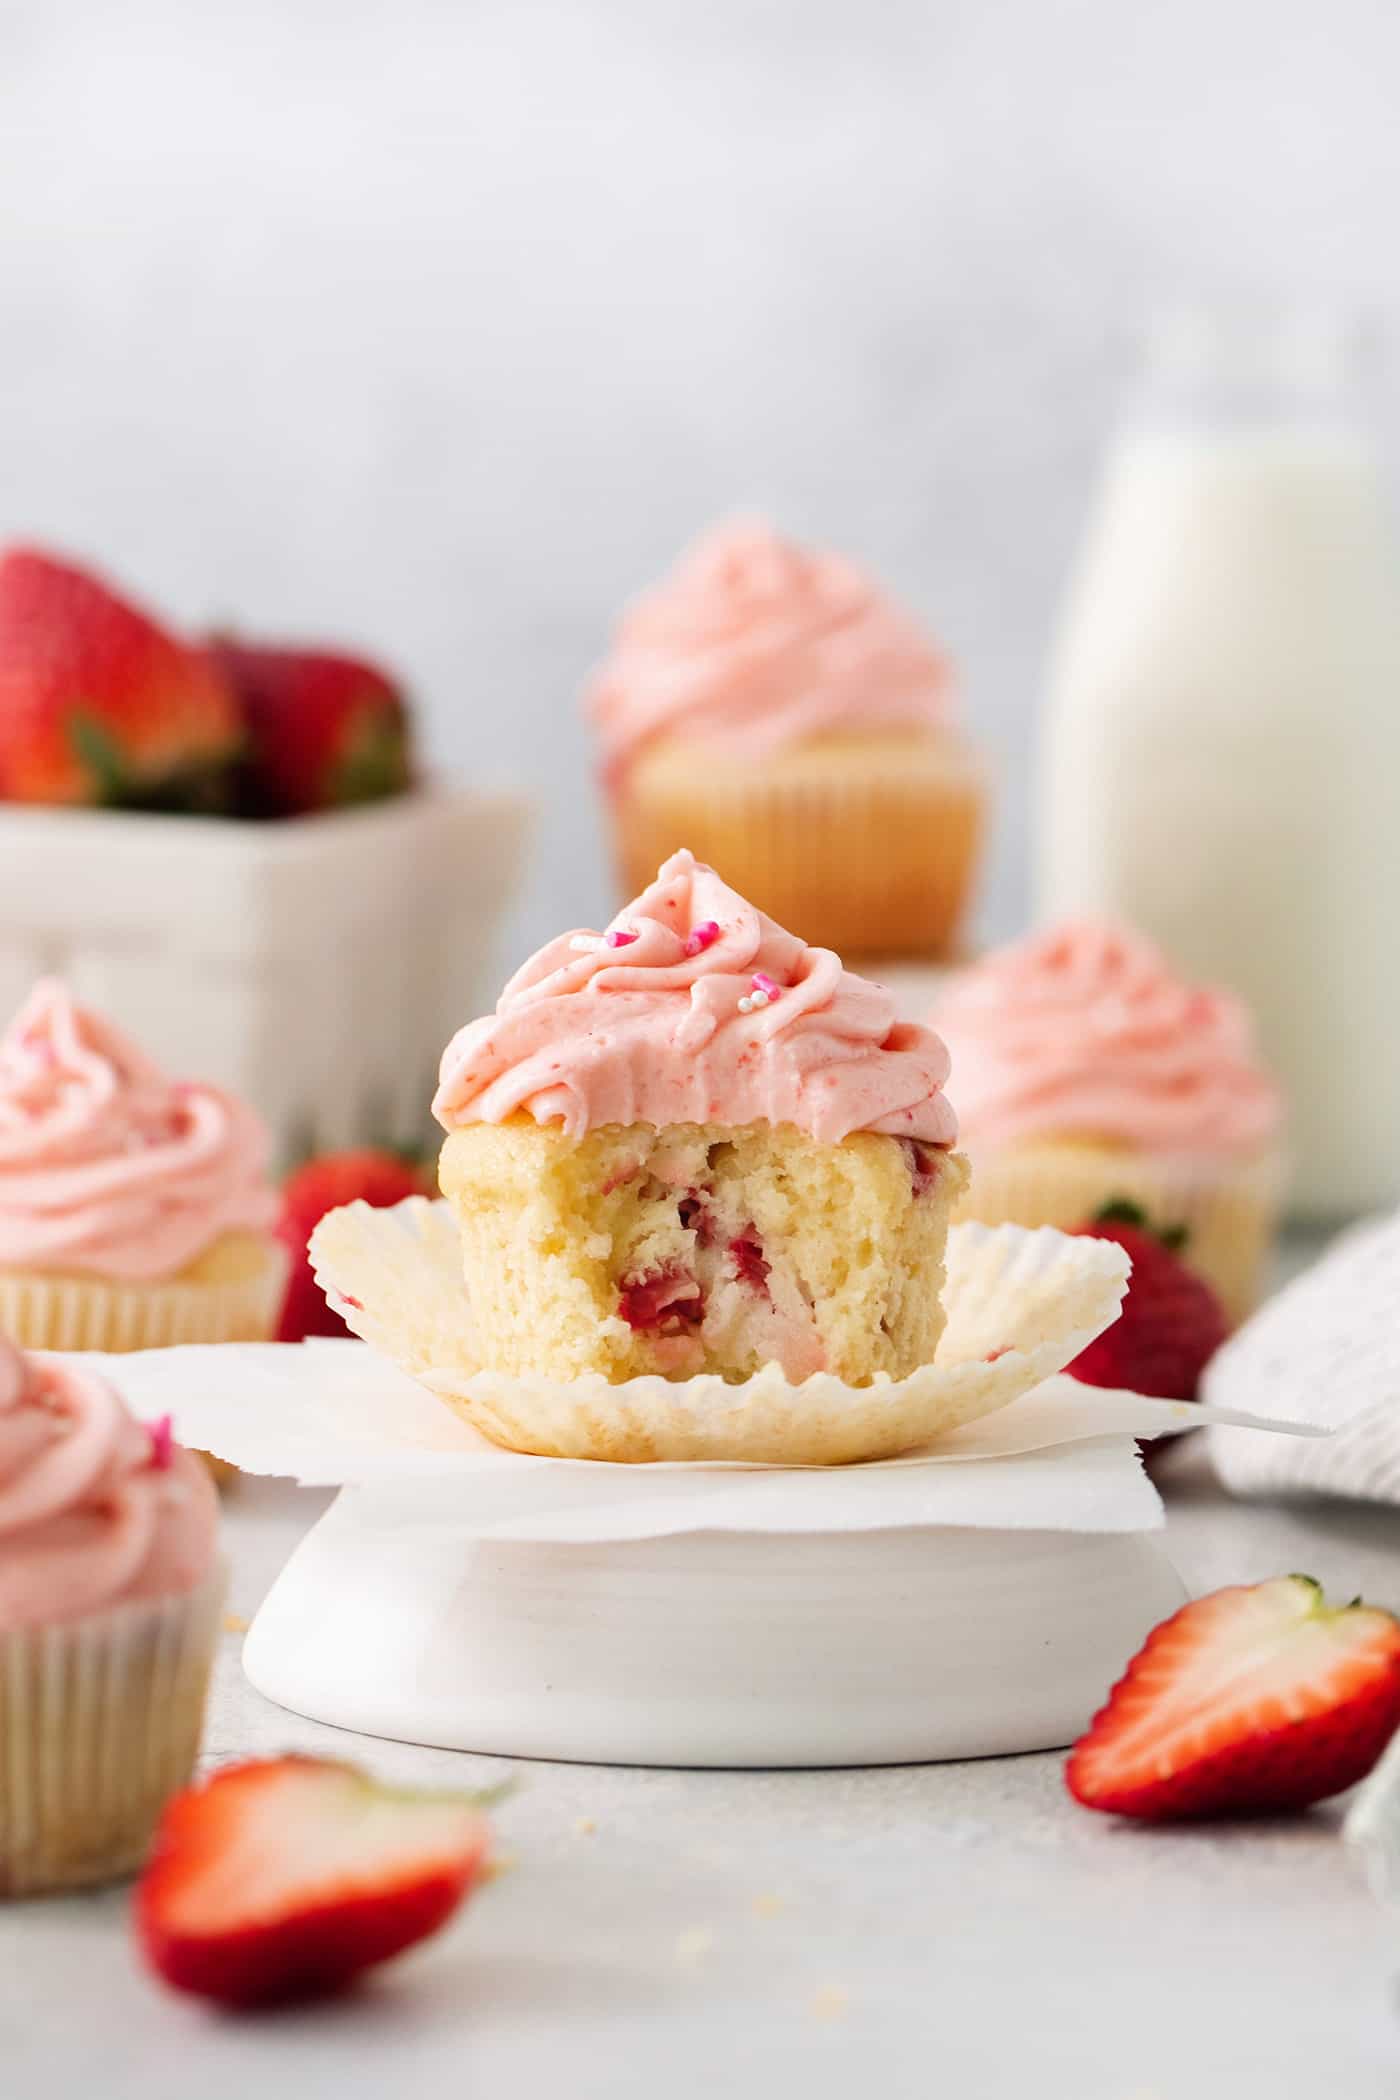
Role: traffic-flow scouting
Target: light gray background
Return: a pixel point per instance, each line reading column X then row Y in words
column 438, row 328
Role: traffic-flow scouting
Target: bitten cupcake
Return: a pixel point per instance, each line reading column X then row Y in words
column 110, row 1592
column 135, row 1211
column 1088, row 1073
column 692, row 1144
column 770, row 706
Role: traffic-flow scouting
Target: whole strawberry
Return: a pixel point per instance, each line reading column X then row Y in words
column 320, row 730
column 1251, row 1701
column 369, row 1175
column 98, row 704
column 1171, row 1324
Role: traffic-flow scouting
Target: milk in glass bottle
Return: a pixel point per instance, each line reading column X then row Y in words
column 1222, row 753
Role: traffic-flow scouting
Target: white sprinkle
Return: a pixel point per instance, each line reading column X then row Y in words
column 586, row 943
column 746, row 1006
column 759, row 999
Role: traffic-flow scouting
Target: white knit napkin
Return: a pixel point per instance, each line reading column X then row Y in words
column 1325, row 1352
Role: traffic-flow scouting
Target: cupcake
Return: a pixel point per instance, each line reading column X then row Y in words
column 135, row 1211
column 771, row 706
column 110, row 1592
column 694, row 1145
column 1089, row 1074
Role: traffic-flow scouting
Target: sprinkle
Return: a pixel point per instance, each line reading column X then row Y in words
column 586, row 943
column 618, row 938
column 752, row 1002
column 704, row 936
column 585, row 1826
column 746, row 1006
column 162, row 1436
column 763, row 983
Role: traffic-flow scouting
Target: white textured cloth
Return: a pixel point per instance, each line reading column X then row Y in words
column 1325, row 1352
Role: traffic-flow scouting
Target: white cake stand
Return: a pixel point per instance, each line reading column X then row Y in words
column 739, row 1649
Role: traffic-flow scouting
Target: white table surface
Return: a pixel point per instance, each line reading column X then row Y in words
column 958, row 1931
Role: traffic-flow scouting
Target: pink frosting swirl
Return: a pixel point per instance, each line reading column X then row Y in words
column 695, row 1008
column 1084, row 1030
column 106, row 1166
column 95, row 1510
column 752, row 644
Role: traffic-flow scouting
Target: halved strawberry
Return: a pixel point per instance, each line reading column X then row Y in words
column 1250, row 1701
column 100, row 704
column 285, row 1877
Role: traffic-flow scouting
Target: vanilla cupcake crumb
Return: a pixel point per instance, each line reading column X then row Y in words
column 234, row 1622
column 585, row 1826
column 767, row 1904
column 831, row 2002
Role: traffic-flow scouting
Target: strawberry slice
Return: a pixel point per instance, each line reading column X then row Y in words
column 285, row 1877
column 1250, row 1701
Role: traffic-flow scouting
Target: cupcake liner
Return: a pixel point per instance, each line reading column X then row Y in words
column 1020, row 1306
column 870, row 852
column 88, row 1312
column 1230, row 1210
column 100, row 1723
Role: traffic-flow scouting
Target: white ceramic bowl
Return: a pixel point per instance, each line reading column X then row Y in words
column 730, row 1649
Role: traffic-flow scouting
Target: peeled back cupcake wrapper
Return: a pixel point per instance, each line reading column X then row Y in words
column 1061, row 1458
column 1021, row 1305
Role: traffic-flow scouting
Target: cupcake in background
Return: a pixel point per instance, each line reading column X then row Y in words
column 1086, row 1073
column 769, row 707
column 110, row 1595
column 135, row 1211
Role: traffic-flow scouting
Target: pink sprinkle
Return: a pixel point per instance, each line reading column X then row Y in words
column 763, row 983
column 703, row 937
column 162, row 1436
column 619, row 939
column 355, row 1302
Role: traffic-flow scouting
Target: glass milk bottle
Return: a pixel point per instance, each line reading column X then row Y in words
column 1222, row 749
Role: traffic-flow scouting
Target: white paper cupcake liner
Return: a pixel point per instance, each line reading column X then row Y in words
column 1020, row 1304
column 87, row 1312
column 100, row 1722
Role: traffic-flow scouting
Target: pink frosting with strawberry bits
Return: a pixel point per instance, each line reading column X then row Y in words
column 107, row 1167
column 694, row 1007
column 1085, row 1030
column 753, row 643
column 95, row 1509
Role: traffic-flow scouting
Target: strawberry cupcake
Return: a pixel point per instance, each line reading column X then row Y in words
column 1089, row 1073
column 692, row 1145
column 769, row 704
column 135, row 1211
column 110, row 1593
